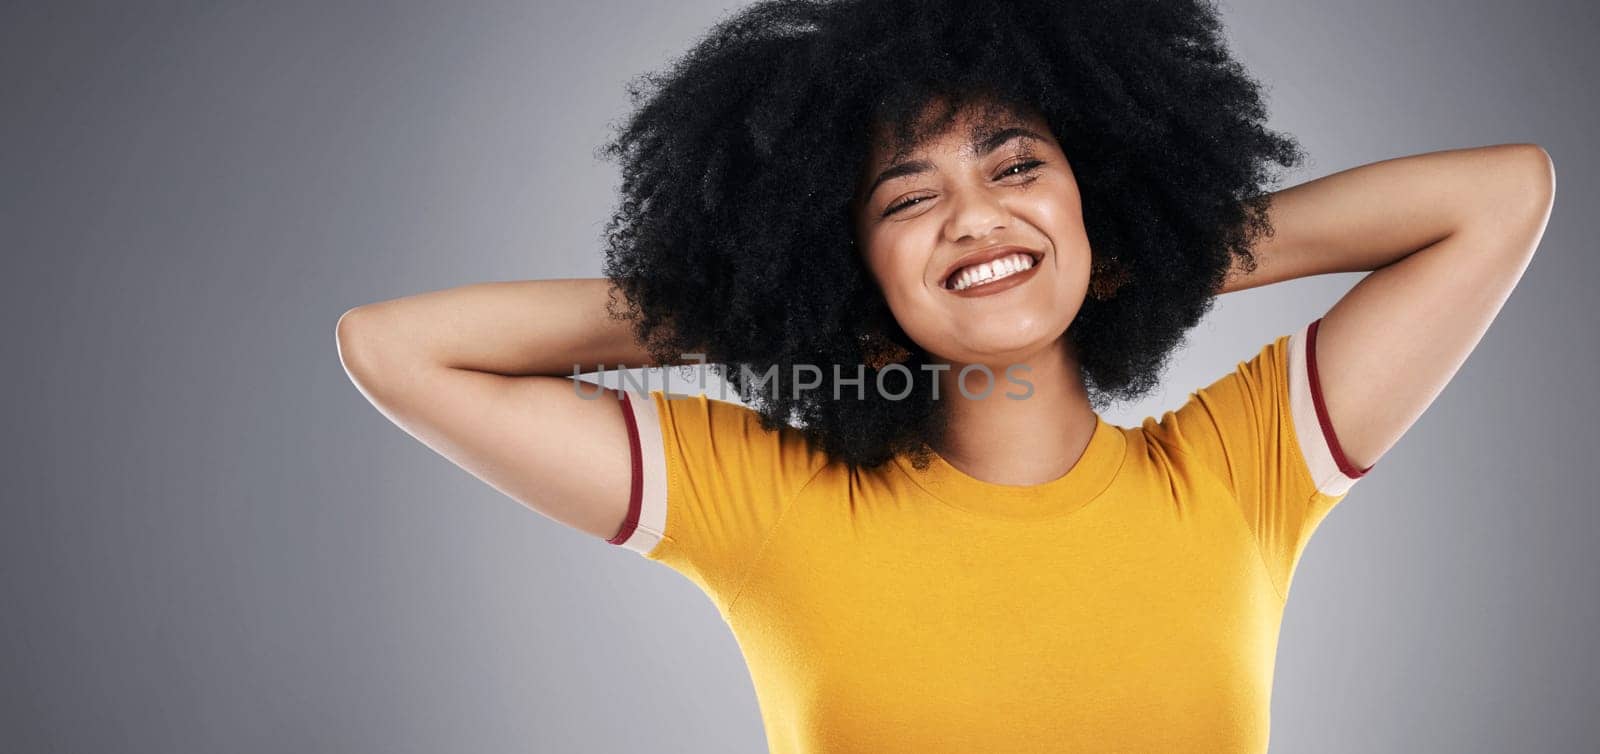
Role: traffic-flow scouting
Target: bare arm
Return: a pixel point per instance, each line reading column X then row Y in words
column 482, row 374
column 1371, row 216
column 1446, row 236
column 517, row 328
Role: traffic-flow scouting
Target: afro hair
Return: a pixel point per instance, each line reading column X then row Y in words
column 733, row 234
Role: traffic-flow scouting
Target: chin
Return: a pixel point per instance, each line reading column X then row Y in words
column 997, row 348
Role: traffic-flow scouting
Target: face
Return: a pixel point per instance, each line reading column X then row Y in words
column 975, row 188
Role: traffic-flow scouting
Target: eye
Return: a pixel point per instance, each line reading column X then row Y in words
column 1022, row 167
column 902, row 205
column 1026, row 166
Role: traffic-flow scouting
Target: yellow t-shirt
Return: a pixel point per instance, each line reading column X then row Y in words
column 1132, row 605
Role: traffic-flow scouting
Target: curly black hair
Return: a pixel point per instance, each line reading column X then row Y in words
column 733, row 236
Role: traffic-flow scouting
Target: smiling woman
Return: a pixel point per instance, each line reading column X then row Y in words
column 996, row 211
column 821, row 168
column 953, row 189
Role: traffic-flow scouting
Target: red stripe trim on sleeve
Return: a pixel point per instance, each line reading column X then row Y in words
column 636, row 490
column 1339, row 457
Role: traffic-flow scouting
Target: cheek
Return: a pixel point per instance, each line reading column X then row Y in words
column 898, row 269
column 1057, row 211
column 1059, row 216
column 898, row 283
column 896, row 261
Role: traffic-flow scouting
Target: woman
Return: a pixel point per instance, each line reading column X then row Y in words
column 862, row 209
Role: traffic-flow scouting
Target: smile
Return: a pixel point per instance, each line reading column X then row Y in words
column 989, row 276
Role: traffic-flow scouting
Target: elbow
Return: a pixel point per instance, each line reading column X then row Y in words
column 1519, row 183
column 353, row 339
column 344, row 333
column 1541, row 191
column 1537, row 186
column 1547, row 173
column 376, row 352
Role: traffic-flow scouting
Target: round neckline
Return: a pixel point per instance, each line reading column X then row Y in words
column 1087, row 478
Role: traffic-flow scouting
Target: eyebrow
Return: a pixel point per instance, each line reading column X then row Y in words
column 980, row 147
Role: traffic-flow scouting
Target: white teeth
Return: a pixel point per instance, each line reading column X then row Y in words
column 991, row 271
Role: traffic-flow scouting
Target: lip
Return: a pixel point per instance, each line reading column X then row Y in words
column 1003, row 284
column 987, row 255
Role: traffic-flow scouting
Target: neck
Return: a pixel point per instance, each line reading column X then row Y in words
column 1018, row 442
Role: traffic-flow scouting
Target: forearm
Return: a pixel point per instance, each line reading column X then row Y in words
column 1367, row 217
column 512, row 328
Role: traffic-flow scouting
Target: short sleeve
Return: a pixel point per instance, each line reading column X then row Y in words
column 1264, row 431
column 710, row 485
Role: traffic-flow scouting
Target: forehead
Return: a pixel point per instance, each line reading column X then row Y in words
column 941, row 126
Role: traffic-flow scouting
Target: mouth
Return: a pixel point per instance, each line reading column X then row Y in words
column 990, row 266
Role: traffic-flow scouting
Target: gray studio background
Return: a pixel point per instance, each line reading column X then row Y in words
column 211, row 542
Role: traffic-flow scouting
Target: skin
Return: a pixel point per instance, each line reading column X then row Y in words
column 482, row 373
column 970, row 201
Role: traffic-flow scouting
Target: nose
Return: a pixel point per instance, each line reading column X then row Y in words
column 975, row 213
